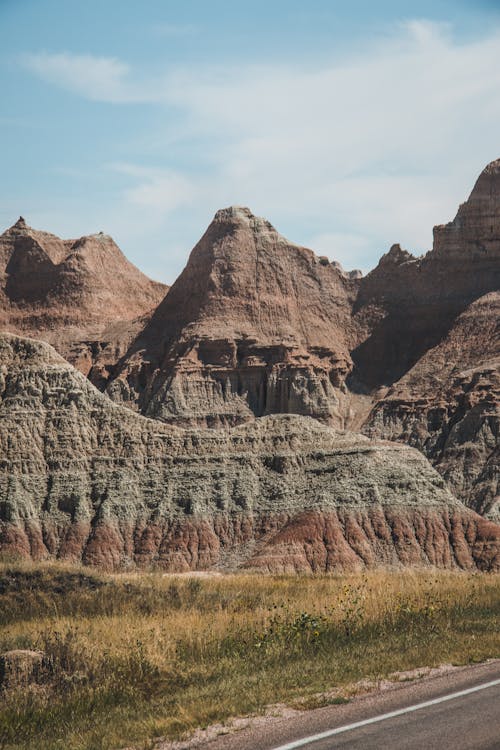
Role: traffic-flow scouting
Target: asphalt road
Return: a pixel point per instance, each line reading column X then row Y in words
column 464, row 722
column 470, row 721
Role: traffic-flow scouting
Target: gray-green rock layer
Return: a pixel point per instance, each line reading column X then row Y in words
column 84, row 479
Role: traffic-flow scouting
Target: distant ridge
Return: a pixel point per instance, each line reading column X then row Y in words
column 81, row 295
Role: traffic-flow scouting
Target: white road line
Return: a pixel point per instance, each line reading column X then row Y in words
column 383, row 717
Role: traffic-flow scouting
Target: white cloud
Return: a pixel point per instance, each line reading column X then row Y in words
column 352, row 251
column 359, row 152
column 104, row 79
column 381, row 147
column 163, row 190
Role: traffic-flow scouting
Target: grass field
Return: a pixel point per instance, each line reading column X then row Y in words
column 135, row 657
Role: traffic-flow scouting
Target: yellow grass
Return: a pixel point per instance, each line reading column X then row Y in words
column 133, row 657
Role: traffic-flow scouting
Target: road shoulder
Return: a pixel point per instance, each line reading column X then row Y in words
column 281, row 724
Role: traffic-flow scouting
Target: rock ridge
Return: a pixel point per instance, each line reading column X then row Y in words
column 82, row 295
column 445, row 399
column 243, row 332
column 84, row 479
column 256, row 325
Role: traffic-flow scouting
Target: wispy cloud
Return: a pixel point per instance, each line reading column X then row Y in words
column 161, row 189
column 350, row 250
column 367, row 150
column 379, row 147
column 103, row 79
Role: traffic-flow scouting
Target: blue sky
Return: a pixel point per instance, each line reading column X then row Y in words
column 349, row 126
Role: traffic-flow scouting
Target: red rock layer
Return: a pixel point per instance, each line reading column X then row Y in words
column 84, row 479
column 309, row 541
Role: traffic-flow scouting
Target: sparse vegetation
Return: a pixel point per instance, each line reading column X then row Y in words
column 133, row 657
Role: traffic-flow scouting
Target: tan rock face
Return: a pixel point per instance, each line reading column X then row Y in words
column 254, row 325
column 446, row 401
column 84, row 479
column 475, row 232
column 83, row 296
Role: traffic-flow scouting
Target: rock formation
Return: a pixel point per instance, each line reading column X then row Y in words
column 254, row 325
column 437, row 346
column 83, row 296
column 82, row 478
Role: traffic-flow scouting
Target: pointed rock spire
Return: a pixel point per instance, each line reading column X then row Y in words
column 475, row 231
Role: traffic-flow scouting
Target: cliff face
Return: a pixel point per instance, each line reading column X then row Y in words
column 447, row 401
column 410, row 305
column 257, row 326
column 84, row 479
column 448, row 406
column 254, row 325
column 83, row 296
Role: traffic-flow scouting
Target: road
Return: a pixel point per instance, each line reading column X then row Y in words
column 461, row 711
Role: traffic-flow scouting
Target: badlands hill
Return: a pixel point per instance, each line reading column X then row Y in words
column 256, row 325
column 84, row 479
column 446, row 400
column 256, row 337
column 83, row 296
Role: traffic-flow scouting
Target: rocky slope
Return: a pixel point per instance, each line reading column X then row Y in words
column 257, row 325
column 83, row 296
column 446, row 400
column 84, row 479
column 254, row 325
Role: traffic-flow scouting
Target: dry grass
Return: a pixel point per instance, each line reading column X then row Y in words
column 140, row 656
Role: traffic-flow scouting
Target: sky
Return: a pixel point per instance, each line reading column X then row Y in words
column 350, row 126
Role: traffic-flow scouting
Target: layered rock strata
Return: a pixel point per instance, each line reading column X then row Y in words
column 448, row 406
column 254, row 325
column 257, row 325
column 447, row 401
column 86, row 480
column 83, row 296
